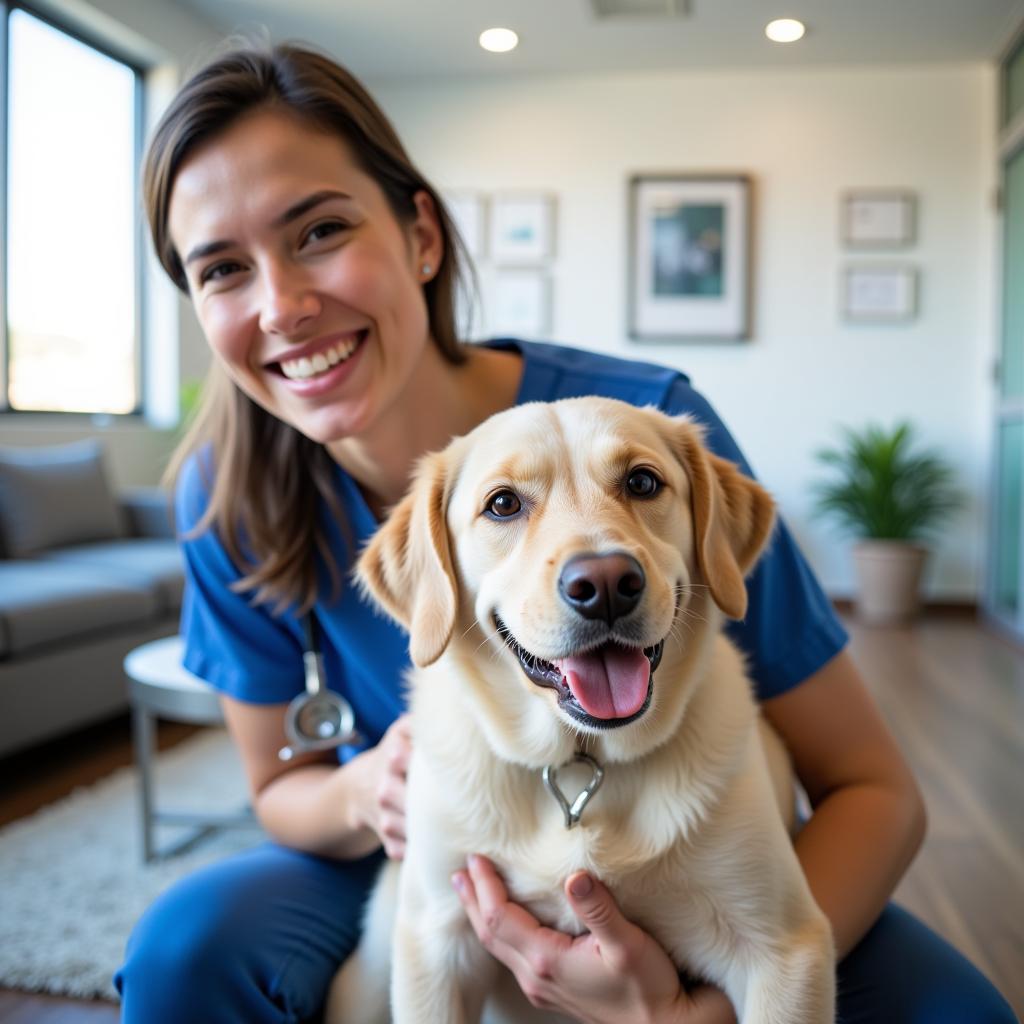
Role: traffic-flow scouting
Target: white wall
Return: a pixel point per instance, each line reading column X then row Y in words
column 805, row 137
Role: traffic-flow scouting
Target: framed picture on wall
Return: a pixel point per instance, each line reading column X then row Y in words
column 522, row 227
column 520, row 303
column 879, row 218
column 689, row 257
column 879, row 293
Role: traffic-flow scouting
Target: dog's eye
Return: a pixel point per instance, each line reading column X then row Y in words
column 642, row 483
column 504, row 504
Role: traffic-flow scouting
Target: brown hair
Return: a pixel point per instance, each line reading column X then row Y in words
column 268, row 476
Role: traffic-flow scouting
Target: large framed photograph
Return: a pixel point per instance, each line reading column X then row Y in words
column 522, row 228
column 879, row 218
column 879, row 293
column 689, row 272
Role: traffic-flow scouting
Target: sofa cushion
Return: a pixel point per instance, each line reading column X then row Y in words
column 148, row 512
column 43, row 603
column 154, row 564
column 56, row 495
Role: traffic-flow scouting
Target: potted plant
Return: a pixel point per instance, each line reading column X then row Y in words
column 892, row 497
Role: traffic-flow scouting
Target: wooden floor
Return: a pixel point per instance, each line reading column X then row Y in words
column 953, row 694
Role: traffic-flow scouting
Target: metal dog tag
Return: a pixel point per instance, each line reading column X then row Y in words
column 572, row 812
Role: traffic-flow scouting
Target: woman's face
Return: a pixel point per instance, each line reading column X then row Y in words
column 308, row 289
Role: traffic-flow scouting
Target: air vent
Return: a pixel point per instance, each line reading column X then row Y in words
column 640, row 8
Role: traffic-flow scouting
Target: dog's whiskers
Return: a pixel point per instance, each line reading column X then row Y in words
column 675, row 631
column 691, row 614
column 688, row 620
column 506, row 642
column 483, row 643
column 494, row 654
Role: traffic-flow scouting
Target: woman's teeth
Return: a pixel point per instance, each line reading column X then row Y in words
column 306, row 367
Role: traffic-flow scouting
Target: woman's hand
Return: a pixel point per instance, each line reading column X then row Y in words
column 615, row 972
column 383, row 769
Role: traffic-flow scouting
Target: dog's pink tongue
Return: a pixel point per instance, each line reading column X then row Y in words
column 608, row 683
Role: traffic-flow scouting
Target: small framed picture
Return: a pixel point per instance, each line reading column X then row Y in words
column 522, row 228
column 877, row 293
column 521, row 303
column 879, row 218
column 689, row 250
column 468, row 211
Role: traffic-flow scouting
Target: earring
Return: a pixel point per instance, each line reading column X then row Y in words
column 427, row 270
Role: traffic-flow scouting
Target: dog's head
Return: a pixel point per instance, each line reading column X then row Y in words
column 582, row 542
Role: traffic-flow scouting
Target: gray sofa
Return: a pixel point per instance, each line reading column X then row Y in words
column 85, row 576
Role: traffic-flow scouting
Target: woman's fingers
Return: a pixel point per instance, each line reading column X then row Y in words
column 392, row 835
column 398, row 762
column 403, row 727
column 396, row 748
column 396, row 745
column 381, row 786
column 485, row 898
column 596, row 908
column 391, row 793
column 508, row 932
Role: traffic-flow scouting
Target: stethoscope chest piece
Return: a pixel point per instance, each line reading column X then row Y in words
column 318, row 719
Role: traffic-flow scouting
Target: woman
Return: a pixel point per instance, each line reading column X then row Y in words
column 322, row 268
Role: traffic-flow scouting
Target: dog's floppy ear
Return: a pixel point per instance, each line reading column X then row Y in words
column 733, row 518
column 407, row 566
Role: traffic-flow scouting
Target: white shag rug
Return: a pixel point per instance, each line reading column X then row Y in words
column 72, row 881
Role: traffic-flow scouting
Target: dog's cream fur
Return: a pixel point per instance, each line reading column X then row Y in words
column 685, row 828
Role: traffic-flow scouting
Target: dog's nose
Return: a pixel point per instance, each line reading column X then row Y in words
column 602, row 586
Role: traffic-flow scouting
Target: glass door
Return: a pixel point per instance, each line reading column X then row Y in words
column 1004, row 602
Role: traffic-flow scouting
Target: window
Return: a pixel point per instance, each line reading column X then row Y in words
column 71, row 301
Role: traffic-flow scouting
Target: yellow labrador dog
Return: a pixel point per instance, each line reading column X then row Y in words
column 564, row 571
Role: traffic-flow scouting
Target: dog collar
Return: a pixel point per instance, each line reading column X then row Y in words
column 574, row 810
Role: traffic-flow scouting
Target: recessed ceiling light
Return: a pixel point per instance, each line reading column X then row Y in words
column 499, row 40
column 785, row 30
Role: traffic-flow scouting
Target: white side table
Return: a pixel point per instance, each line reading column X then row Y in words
column 160, row 687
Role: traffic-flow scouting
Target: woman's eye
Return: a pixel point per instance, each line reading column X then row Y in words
column 504, row 504
column 218, row 271
column 323, row 230
column 642, row 483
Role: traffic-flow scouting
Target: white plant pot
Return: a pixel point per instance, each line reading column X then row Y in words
column 888, row 580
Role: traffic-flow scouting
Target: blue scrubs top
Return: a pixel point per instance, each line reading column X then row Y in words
column 790, row 630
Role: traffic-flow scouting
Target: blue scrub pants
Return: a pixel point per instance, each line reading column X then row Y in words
column 257, row 938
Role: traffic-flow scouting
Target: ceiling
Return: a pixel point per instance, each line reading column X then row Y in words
column 437, row 38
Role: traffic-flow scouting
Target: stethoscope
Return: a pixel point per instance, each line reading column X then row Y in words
column 318, row 719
